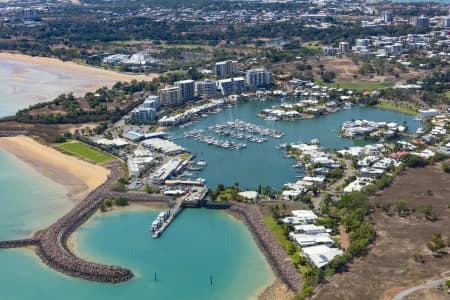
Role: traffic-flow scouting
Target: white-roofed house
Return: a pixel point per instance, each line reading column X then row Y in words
column 321, row 255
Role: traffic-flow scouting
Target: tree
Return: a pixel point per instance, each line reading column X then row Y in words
column 120, row 201
column 107, row 202
column 413, row 161
column 328, row 76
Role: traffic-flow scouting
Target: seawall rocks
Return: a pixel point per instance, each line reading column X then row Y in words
column 280, row 262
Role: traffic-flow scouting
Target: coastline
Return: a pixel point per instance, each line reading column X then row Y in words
column 288, row 280
column 276, row 289
column 77, row 176
column 71, row 66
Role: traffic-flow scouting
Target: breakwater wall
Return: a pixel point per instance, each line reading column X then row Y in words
column 277, row 257
column 51, row 243
column 52, row 247
column 18, row 243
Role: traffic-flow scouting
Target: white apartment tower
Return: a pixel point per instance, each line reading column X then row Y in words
column 388, row 16
column 187, row 89
column 170, row 96
column 206, row 88
column 344, row 47
column 258, row 77
column 226, row 68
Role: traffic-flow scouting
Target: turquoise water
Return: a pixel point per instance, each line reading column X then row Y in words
column 262, row 163
column 28, row 200
column 197, row 245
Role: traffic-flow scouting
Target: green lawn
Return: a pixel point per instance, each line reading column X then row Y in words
column 365, row 86
column 406, row 109
column 277, row 231
column 86, row 152
column 311, row 45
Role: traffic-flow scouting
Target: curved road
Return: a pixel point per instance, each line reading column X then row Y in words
column 426, row 285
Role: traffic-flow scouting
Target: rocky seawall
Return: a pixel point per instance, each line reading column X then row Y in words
column 51, row 243
column 280, row 262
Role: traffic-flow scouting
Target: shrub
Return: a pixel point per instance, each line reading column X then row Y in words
column 446, row 167
column 413, row 161
column 120, row 202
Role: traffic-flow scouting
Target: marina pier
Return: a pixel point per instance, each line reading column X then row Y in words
column 192, row 199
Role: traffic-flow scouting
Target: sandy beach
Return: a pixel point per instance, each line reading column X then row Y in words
column 278, row 291
column 71, row 66
column 79, row 177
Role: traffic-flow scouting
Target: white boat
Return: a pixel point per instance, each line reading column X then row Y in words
column 201, row 180
column 202, row 163
column 314, row 142
column 271, row 118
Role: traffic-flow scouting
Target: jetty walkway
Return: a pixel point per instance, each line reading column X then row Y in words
column 173, row 213
column 51, row 243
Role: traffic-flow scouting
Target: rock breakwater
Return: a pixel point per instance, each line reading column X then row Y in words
column 280, row 262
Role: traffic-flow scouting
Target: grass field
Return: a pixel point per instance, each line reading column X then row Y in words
column 406, row 109
column 277, row 231
column 365, row 86
column 311, row 45
column 86, row 152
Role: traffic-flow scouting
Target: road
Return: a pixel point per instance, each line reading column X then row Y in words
column 426, row 285
column 348, row 171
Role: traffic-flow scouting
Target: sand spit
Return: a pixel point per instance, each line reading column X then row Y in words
column 78, row 176
column 47, row 62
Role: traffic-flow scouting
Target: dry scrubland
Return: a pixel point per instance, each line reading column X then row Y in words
column 390, row 266
column 345, row 68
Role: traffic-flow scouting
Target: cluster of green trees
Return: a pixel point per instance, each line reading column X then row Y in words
column 120, row 186
column 104, row 105
column 414, row 161
column 226, row 194
column 107, row 204
column 352, row 211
